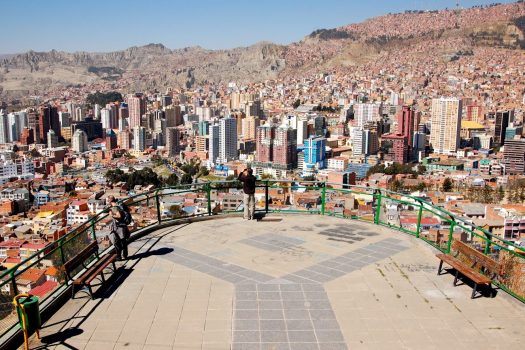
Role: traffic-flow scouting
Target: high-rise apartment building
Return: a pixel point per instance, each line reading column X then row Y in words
column 124, row 139
column 204, row 113
column 406, row 124
column 78, row 114
column 396, row 148
column 264, row 143
column 364, row 142
column 445, row 125
column 314, row 154
column 48, row 119
column 64, row 119
column 285, row 147
column 475, row 113
column 253, row 108
column 123, row 120
column 14, row 126
column 249, row 127
column 172, row 141
column 136, row 108
column 139, row 138
column 214, row 143
column 358, row 142
column 276, row 147
column 79, row 141
column 514, row 157
column 4, row 134
column 201, row 143
column 173, row 116
column 204, row 128
column 239, row 117
column 111, row 140
column 52, row 139
column 227, row 140
column 365, row 112
column 27, row 136
column 503, row 119
column 302, row 131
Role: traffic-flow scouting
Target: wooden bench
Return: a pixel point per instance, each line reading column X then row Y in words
column 93, row 271
column 482, row 269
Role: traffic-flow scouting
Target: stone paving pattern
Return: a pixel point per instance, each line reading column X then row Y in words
column 306, row 282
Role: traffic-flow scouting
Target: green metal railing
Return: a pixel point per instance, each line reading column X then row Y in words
column 411, row 215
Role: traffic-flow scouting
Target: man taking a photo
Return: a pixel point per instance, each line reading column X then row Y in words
column 248, row 186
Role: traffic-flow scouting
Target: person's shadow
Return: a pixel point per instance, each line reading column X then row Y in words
column 59, row 338
column 160, row 251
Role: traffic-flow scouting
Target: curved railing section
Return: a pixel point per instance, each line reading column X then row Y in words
column 43, row 273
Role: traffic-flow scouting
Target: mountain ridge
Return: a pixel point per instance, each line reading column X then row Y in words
column 154, row 65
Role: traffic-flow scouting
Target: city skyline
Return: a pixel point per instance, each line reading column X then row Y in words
column 211, row 25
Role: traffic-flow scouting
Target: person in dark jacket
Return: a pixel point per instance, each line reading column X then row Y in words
column 119, row 234
column 248, row 186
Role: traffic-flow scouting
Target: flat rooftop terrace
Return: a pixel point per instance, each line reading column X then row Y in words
column 287, row 282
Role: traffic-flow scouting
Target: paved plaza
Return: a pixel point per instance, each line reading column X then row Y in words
column 289, row 282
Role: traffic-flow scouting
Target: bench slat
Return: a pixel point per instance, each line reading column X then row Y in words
column 481, row 260
column 99, row 268
column 93, row 270
column 82, row 256
column 465, row 270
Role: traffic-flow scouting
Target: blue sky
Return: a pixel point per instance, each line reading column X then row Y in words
column 108, row 25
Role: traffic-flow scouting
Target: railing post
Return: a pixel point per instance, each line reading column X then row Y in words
column 13, row 282
column 419, row 216
column 323, row 198
column 208, row 197
column 488, row 242
column 61, row 250
column 93, row 233
column 450, row 232
column 377, row 196
column 157, row 203
column 266, row 196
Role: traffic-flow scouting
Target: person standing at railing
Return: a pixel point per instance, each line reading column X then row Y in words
column 119, row 227
column 248, row 186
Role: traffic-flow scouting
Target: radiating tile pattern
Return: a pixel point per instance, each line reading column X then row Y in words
column 215, row 267
column 339, row 266
column 272, row 242
column 291, row 312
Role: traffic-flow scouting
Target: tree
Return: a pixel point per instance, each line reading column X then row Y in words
column 421, row 186
column 172, row 180
column 186, row 179
column 103, row 98
column 34, row 153
column 447, row 185
column 487, row 195
column 157, row 160
column 396, row 186
column 203, row 171
column 501, row 194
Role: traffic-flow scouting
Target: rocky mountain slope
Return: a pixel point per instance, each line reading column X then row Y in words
column 442, row 33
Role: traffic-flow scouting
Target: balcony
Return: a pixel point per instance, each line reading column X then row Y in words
column 297, row 281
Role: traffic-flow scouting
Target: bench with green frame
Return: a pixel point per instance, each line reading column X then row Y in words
column 93, row 271
column 482, row 269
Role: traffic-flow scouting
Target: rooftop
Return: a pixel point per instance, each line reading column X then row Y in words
column 290, row 282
